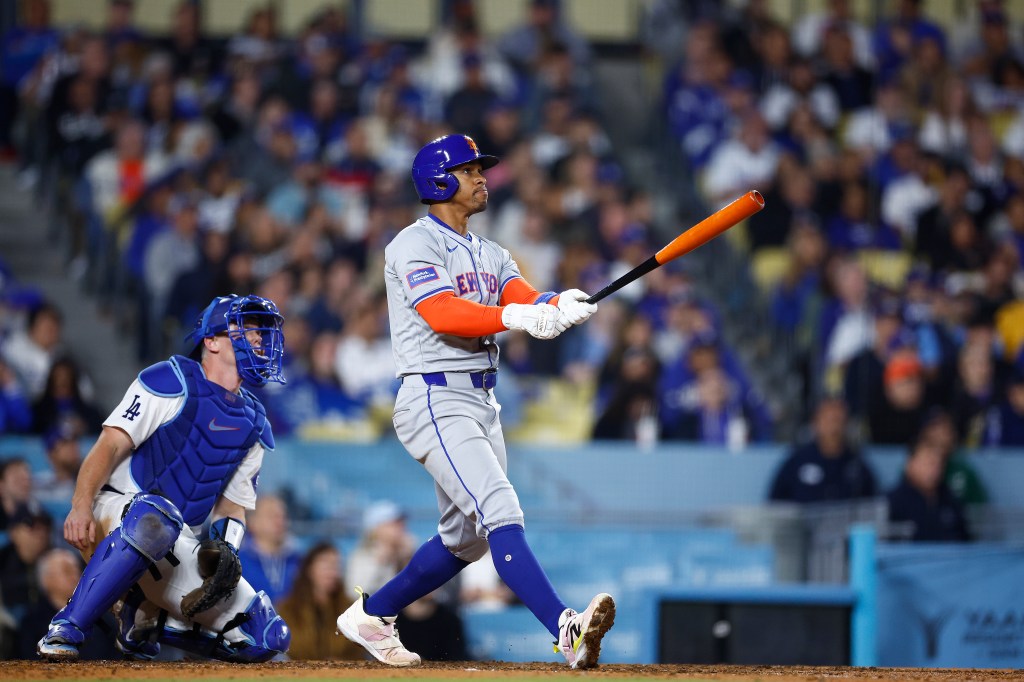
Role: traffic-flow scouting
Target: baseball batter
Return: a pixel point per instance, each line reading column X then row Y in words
column 449, row 292
column 186, row 443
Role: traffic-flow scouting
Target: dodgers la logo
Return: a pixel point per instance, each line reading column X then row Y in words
column 133, row 411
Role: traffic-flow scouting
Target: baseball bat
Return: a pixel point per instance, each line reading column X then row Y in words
column 715, row 224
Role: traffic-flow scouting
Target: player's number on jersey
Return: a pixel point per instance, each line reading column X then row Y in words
column 133, row 411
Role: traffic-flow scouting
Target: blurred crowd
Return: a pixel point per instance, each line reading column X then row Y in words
column 178, row 167
column 184, row 166
column 892, row 164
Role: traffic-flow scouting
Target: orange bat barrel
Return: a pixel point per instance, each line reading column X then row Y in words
column 698, row 235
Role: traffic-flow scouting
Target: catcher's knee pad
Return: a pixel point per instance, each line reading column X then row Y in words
column 151, row 524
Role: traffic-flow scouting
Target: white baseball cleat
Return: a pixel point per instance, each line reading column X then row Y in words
column 580, row 634
column 376, row 634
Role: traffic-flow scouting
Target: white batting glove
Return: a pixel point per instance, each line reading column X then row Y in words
column 574, row 306
column 542, row 321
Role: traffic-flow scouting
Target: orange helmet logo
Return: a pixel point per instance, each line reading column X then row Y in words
column 472, row 145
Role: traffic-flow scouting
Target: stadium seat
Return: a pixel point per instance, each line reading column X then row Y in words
column 768, row 266
column 887, row 268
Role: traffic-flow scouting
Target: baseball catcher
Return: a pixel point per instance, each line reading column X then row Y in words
column 185, row 445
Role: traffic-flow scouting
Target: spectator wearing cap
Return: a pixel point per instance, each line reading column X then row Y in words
column 1006, row 426
column 680, row 395
column 57, row 485
column 826, row 468
column 922, row 499
column 897, row 418
column 15, row 488
column 384, row 547
column 58, row 572
column 895, row 39
column 31, row 351
column 63, row 402
column 717, row 417
column 270, row 562
column 28, row 532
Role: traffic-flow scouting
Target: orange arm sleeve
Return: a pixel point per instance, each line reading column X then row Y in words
column 448, row 314
column 518, row 290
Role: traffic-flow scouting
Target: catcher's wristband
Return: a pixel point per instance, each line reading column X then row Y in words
column 228, row 529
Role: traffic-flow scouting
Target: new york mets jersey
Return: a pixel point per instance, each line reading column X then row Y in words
column 424, row 260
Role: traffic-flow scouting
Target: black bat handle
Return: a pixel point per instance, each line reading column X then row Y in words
column 628, row 278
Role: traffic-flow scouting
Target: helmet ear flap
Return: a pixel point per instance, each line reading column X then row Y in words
column 451, row 186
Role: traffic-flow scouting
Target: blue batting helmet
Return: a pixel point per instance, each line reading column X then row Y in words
column 430, row 167
column 257, row 365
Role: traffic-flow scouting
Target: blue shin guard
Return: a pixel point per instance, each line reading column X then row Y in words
column 518, row 567
column 148, row 531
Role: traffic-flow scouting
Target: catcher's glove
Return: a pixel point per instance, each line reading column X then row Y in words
column 220, row 570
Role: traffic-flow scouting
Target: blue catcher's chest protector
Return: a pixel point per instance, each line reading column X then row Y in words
column 190, row 459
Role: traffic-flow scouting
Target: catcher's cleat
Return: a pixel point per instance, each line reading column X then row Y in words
column 61, row 642
column 134, row 636
column 580, row 634
column 376, row 634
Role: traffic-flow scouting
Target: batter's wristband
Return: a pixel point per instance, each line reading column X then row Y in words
column 545, row 297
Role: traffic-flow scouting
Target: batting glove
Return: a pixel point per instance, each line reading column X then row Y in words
column 574, row 306
column 542, row 321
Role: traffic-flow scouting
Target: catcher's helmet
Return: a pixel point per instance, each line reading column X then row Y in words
column 257, row 365
column 430, row 167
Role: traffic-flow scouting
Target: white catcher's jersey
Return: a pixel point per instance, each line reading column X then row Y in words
column 428, row 258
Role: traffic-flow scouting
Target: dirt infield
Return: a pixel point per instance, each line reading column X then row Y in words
column 183, row 670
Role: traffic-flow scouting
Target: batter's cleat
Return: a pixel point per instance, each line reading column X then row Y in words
column 376, row 634
column 61, row 642
column 580, row 634
column 133, row 638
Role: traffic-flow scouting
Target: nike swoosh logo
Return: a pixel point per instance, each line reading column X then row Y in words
column 453, row 248
column 213, row 426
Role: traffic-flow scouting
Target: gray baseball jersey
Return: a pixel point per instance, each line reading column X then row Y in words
column 425, row 259
column 453, row 428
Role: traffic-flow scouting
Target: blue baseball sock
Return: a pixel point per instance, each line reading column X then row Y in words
column 430, row 567
column 518, row 567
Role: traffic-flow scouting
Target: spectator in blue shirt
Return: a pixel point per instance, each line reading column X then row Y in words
column 269, row 562
column 21, row 48
column 826, row 468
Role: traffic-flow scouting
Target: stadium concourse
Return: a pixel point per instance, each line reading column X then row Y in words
column 482, row 670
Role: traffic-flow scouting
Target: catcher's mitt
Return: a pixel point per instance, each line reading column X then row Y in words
column 220, row 570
